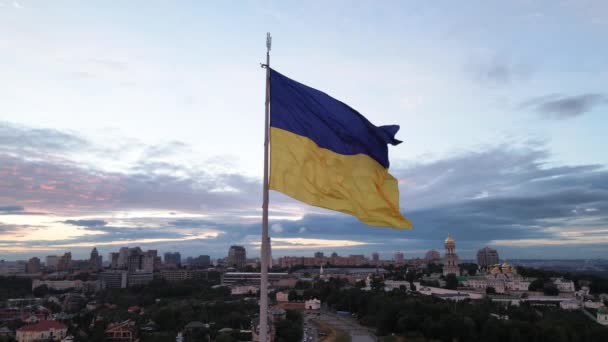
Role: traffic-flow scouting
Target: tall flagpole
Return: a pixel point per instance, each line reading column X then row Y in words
column 264, row 251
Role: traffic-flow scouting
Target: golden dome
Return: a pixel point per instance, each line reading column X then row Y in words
column 449, row 239
column 506, row 267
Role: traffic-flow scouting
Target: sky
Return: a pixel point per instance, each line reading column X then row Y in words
column 140, row 123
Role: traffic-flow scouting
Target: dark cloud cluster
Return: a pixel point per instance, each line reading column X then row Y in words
column 34, row 178
column 561, row 107
column 38, row 140
column 499, row 193
column 502, row 193
column 11, row 208
column 86, row 223
column 17, row 210
column 15, row 229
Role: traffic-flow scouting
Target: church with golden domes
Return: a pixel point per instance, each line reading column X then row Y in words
column 502, row 277
column 450, row 259
column 505, row 268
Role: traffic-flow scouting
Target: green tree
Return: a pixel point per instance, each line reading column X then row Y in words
column 225, row 338
column 13, row 287
column 294, row 315
column 195, row 335
column 434, row 268
column 377, row 284
column 451, row 282
column 54, row 307
column 41, row 291
column 302, row 285
column 290, row 328
column 410, row 276
column 98, row 333
column 167, row 319
column 470, row 268
column 536, row 285
column 550, row 290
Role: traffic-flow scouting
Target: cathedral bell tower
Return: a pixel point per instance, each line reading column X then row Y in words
column 450, row 260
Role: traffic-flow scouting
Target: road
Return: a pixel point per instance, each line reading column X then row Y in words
column 311, row 333
column 357, row 332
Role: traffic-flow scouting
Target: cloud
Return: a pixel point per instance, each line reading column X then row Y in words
column 44, row 168
column 503, row 193
column 498, row 70
column 38, row 141
column 494, row 195
column 11, row 208
column 277, row 228
column 6, row 228
column 561, row 107
column 163, row 149
column 10, row 229
column 17, row 210
column 110, row 244
column 303, row 243
column 86, row 223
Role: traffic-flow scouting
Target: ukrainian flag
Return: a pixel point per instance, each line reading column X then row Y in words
column 326, row 154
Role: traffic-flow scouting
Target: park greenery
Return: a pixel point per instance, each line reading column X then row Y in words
column 13, row 287
column 427, row 318
column 170, row 306
column 290, row 328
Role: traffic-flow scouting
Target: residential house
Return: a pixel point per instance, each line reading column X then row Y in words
column 43, row 330
column 572, row 304
column 312, row 304
column 602, row 316
column 122, row 332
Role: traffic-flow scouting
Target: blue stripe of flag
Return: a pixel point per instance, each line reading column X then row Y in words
column 331, row 124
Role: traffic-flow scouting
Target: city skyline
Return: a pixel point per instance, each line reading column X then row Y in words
column 141, row 125
column 399, row 256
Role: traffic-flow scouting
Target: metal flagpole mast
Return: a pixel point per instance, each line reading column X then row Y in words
column 264, row 250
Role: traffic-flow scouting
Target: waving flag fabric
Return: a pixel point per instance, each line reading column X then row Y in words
column 326, row 154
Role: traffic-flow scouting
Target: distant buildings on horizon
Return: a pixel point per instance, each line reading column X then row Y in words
column 134, row 259
column 487, row 257
column 237, row 257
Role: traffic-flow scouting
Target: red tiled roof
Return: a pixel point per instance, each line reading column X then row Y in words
column 43, row 326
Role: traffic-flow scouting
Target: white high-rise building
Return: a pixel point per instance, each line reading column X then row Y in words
column 123, row 256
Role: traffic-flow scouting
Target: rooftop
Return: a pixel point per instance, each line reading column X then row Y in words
column 195, row 325
column 342, row 270
column 253, row 273
column 43, row 326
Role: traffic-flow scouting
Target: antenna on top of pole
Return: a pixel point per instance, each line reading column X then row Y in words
column 268, row 41
column 268, row 47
